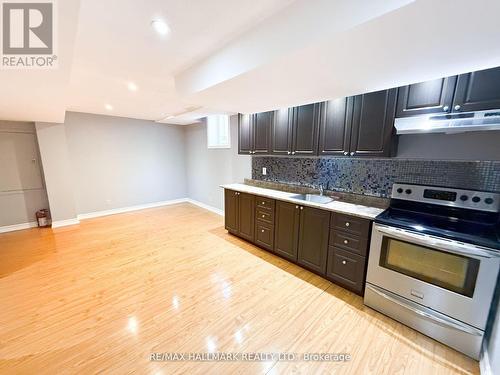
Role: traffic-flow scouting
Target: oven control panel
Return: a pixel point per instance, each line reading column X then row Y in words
column 472, row 199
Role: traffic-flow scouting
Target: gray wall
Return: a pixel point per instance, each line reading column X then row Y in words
column 119, row 162
column 463, row 146
column 22, row 189
column 57, row 170
column 209, row 168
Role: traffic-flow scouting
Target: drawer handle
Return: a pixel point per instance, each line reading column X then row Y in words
column 263, row 203
column 346, row 242
column 347, row 223
column 262, row 230
column 263, row 215
column 344, row 262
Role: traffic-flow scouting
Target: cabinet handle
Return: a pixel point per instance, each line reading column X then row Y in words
column 446, row 108
column 457, row 107
column 344, row 262
column 346, row 242
column 262, row 230
column 263, row 215
column 352, row 153
column 263, row 203
column 235, row 193
column 293, row 153
column 288, row 152
column 346, row 153
column 301, row 207
column 296, row 207
column 347, row 224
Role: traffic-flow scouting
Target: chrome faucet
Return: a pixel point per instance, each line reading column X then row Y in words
column 321, row 190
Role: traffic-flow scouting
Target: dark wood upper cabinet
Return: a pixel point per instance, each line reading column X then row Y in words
column 231, row 211
column 262, row 123
column 434, row 96
column 335, row 126
column 286, row 233
column 305, row 129
column 245, row 136
column 313, row 238
column 373, row 123
column 478, row 91
column 281, row 132
column 246, row 216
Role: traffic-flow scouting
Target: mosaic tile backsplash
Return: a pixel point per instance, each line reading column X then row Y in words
column 376, row 176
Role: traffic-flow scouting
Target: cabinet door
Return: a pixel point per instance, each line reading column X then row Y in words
column 246, row 217
column 305, row 129
column 335, row 127
column 231, row 210
column 478, row 91
column 313, row 239
column 262, row 132
column 286, row 230
column 245, row 140
column 373, row 123
column 281, row 132
column 422, row 98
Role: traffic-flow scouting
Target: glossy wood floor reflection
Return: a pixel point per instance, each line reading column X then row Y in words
column 102, row 296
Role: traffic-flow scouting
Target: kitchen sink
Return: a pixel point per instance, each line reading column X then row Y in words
column 322, row 199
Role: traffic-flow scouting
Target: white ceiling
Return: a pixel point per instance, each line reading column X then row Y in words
column 245, row 56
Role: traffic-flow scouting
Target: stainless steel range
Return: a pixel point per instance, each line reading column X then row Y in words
column 434, row 261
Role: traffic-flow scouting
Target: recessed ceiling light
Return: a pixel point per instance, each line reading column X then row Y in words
column 160, row 27
column 109, row 107
column 132, row 86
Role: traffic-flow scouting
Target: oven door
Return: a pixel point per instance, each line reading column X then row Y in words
column 450, row 277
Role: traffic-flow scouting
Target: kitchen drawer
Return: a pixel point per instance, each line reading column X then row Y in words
column 264, row 235
column 346, row 269
column 263, row 202
column 349, row 242
column 263, row 214
column 350, row 224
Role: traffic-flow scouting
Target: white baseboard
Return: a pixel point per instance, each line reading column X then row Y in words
column 12, row 228
column 205, row 206
column 484, row 362
column 64, row 223
column 122, row 210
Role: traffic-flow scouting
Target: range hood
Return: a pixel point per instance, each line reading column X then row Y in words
column 449, row 123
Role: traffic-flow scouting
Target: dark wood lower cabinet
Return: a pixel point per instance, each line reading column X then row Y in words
column 239, row 215
column 231, row 211
column 246, row 216
column 346, row 269
column 333, row 245
column 313, row 238
column 287, row 230
column 264, row 235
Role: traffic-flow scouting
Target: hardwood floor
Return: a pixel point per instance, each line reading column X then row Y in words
column 102, row 296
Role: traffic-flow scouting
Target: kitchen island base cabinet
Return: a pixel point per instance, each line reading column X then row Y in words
column 313, row 239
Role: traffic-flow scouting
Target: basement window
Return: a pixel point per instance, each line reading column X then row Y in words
column 218, row 131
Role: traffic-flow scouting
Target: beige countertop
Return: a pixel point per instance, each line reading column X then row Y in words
column 335, row 206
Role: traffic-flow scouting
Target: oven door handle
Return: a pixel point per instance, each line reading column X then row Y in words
column 449, row 246
column 433, row 317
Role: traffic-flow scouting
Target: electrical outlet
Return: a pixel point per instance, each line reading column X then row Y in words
column 264, row 171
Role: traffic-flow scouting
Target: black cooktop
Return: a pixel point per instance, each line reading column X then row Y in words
column 470, row 226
